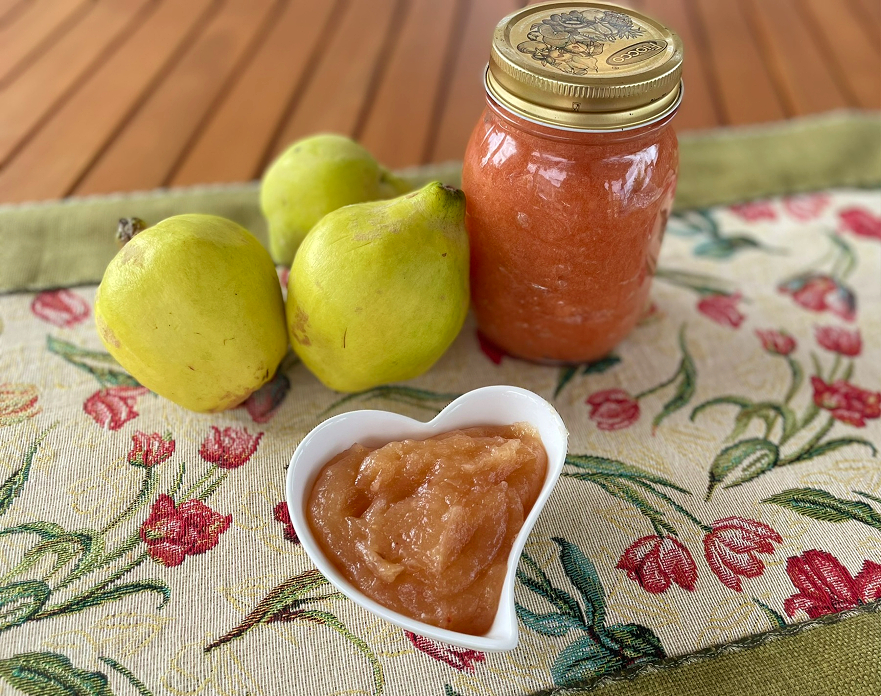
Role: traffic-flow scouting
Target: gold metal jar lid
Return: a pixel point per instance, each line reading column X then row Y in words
column 585, row 66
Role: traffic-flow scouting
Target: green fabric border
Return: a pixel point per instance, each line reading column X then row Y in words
column 836, row 654
column 836, row 149
column 70, row 242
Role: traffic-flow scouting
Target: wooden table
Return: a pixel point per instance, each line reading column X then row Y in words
column 117, row 95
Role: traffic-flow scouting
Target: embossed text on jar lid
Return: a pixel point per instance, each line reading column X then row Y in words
column 585, row 65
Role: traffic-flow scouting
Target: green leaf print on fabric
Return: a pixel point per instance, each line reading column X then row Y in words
column 98, row 597
column 742, row 462
column 686, row 375
column 660, row 560
column 51, row 674
column 615, row 409
column 594, row 466
column 290, row 595
column 82, row 552
column 797, row 438
column 630, row 484
column 565, row 376
column 603, row 649
column 14, row 485
column 288, row 603
column 583, row 659
column 94, row 562
column 713, row 243
column 635, row 641
column 84, row 545
column 549, row 624
column 420, row 398
column 701, row 283
column 592, row 368
column 537, row 581
column 132, row 679
column 766, row 411
column 583, row 576
column 773, row 617
column 19, row 601
column 102, row 366
column 821, row 505
column 832, row 445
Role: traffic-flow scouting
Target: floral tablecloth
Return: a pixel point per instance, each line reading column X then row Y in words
column 722, row 482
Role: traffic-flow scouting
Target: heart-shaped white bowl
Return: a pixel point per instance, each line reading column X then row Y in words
column 501, row 405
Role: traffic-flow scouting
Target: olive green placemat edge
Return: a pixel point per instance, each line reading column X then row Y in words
column 70, row 242
column 838, row 149
column 836, row 654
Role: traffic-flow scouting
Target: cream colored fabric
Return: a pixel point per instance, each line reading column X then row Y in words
column 701, row 330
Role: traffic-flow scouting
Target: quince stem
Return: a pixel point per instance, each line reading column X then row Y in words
column 128, row 228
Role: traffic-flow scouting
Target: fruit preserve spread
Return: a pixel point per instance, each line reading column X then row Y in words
column 565, row 234
column 569, row 177
column 425, row 527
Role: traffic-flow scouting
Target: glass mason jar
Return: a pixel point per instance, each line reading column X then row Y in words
column 569, row 177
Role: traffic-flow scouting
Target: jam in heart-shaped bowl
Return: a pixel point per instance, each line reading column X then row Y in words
column 488, row 406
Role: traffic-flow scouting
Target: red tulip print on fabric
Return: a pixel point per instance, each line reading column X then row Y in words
column 754, row 211
column 613, row 409
column 656, row 562
column 847, row 402
column 806, row 207
column 861, row 222
column 282, row 514
column 838, row 340
column 284, row 274
column 458, row 658
column 173, row 532
column 821, row 293
column 868, row 581
column 732, row 549
column 18, row 402
column 490, row 349
column 722, row 309
column 776, row 342
column 229, row 448
column 651, row 314
column 62, row 308
column 150, row 449
column 616, row 409
column 264, row 402
column 825, row 586
column 113, row 407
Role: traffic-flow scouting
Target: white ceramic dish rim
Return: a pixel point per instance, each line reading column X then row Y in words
column 321, row 444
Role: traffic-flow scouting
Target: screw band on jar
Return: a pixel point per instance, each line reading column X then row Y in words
column 593, row 122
